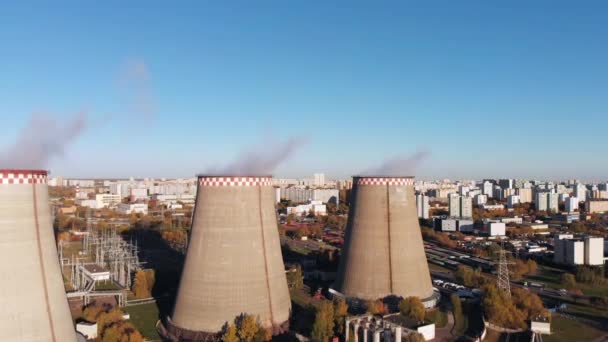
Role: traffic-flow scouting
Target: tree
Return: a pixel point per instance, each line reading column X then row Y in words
column 295, row 280
column 140, row 285
column 414, row 337
column 340, row 313
column 150, row 279
column 247, row 328
column 568, row 280
column 230, row 334
column 121, row 331
column 106, row 319
column 323, row 327
column 412, row 308
column 375, row 307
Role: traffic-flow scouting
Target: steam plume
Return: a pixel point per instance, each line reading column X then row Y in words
column 40, row 140
column 399, row 166
column 137, row 85
column 261, row 160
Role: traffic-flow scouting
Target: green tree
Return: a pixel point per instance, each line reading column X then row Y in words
column 323, row 327
column 412, row 307
column 230, row 334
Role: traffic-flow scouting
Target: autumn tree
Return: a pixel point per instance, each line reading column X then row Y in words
column 247, row 327
column 412, row 307
column 375, row 307
column 140, row 286
column 230, row 334
column 500, row 309
column 568, row 280
column 121, row 331
column 295, row 280
column 414, row 337
column 323, row 327
column 340, row 313
column 108, row 318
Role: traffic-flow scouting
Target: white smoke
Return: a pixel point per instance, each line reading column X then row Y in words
column 135, row 81
column 261, row 160
column 400, row 165
column 42, row 139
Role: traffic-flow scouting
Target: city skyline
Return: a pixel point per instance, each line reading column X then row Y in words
column 170, row 92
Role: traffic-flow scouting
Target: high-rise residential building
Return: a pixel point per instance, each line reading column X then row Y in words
column 580, row 192
column 525, row 195
column 488, row 189
column 319, row 179
column 498, row 193
column 454, row 203
column 596, row 206
column 594, row 251
column 506, row 183
column 571, row 204
column 422, row 205
column 466, row 207
column 553, row 202
column 481, row 199
column 602, row 186
column 512, row 201
column 541, row 201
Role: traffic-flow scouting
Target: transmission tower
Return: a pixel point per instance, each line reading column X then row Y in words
column 503, row 271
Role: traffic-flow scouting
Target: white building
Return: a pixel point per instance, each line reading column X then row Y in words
column 319, row 179
column 487, row 189
column 496, row 228
column 466, row 207
column 541, row 200
column 594, row 251
column 107, row 200
column 138, row 194
column 91, row 203
column 454, row 204
column 302, row 195
column 525, row 195
column 481, row 200
column 512, row 201
column 571, row 204
column 422, row 205
column 317, row 207
column 129, row 208
column 580, row 192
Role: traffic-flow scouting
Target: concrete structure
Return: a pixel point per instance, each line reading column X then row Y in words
column 512, row 201
column 488, row 189
column 495, row 228
column 506, row 183
column 596, row 206
column 580, row 192
column 317, row 208
column 481, row 199
column 541, row 201
column 422, row 205
column 454, row 204
column 525, row 195
column 32, row 296
column 233, row 264
column 107, row 200
column 569, row 251
column 302, row 195
column 553, row 202
column 129, row 208
column 571, row 204
column 319, row 179
column 383, row 251
column 460, row 206
column 594, row 251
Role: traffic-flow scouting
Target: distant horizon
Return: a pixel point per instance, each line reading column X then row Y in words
column 439, row 90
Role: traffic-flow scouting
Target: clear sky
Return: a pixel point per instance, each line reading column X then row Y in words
column 517, row 88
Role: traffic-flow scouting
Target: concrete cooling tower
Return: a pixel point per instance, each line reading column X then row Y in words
column 234, row 263
column 383, row 251
column 33, row 303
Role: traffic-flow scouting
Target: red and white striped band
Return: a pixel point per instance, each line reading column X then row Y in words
column 22, row 177
column 385, row 181
column 235, row 181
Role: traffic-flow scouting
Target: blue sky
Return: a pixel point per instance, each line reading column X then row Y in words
column 491, row 89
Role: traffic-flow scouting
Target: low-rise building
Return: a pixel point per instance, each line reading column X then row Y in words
column 129, row 208
column 495, row 228
column 596, row 206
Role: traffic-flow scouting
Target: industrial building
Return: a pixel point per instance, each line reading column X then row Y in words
column 33, row 300
column 383, row 252
column 233, row 264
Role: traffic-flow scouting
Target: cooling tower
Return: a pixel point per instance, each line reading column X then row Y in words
column 33, row 303
column 234, row 263
column 383, row 251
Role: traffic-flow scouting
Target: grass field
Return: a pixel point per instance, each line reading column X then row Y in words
column 550, row 276
column 144, row 317
column 567, row 330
